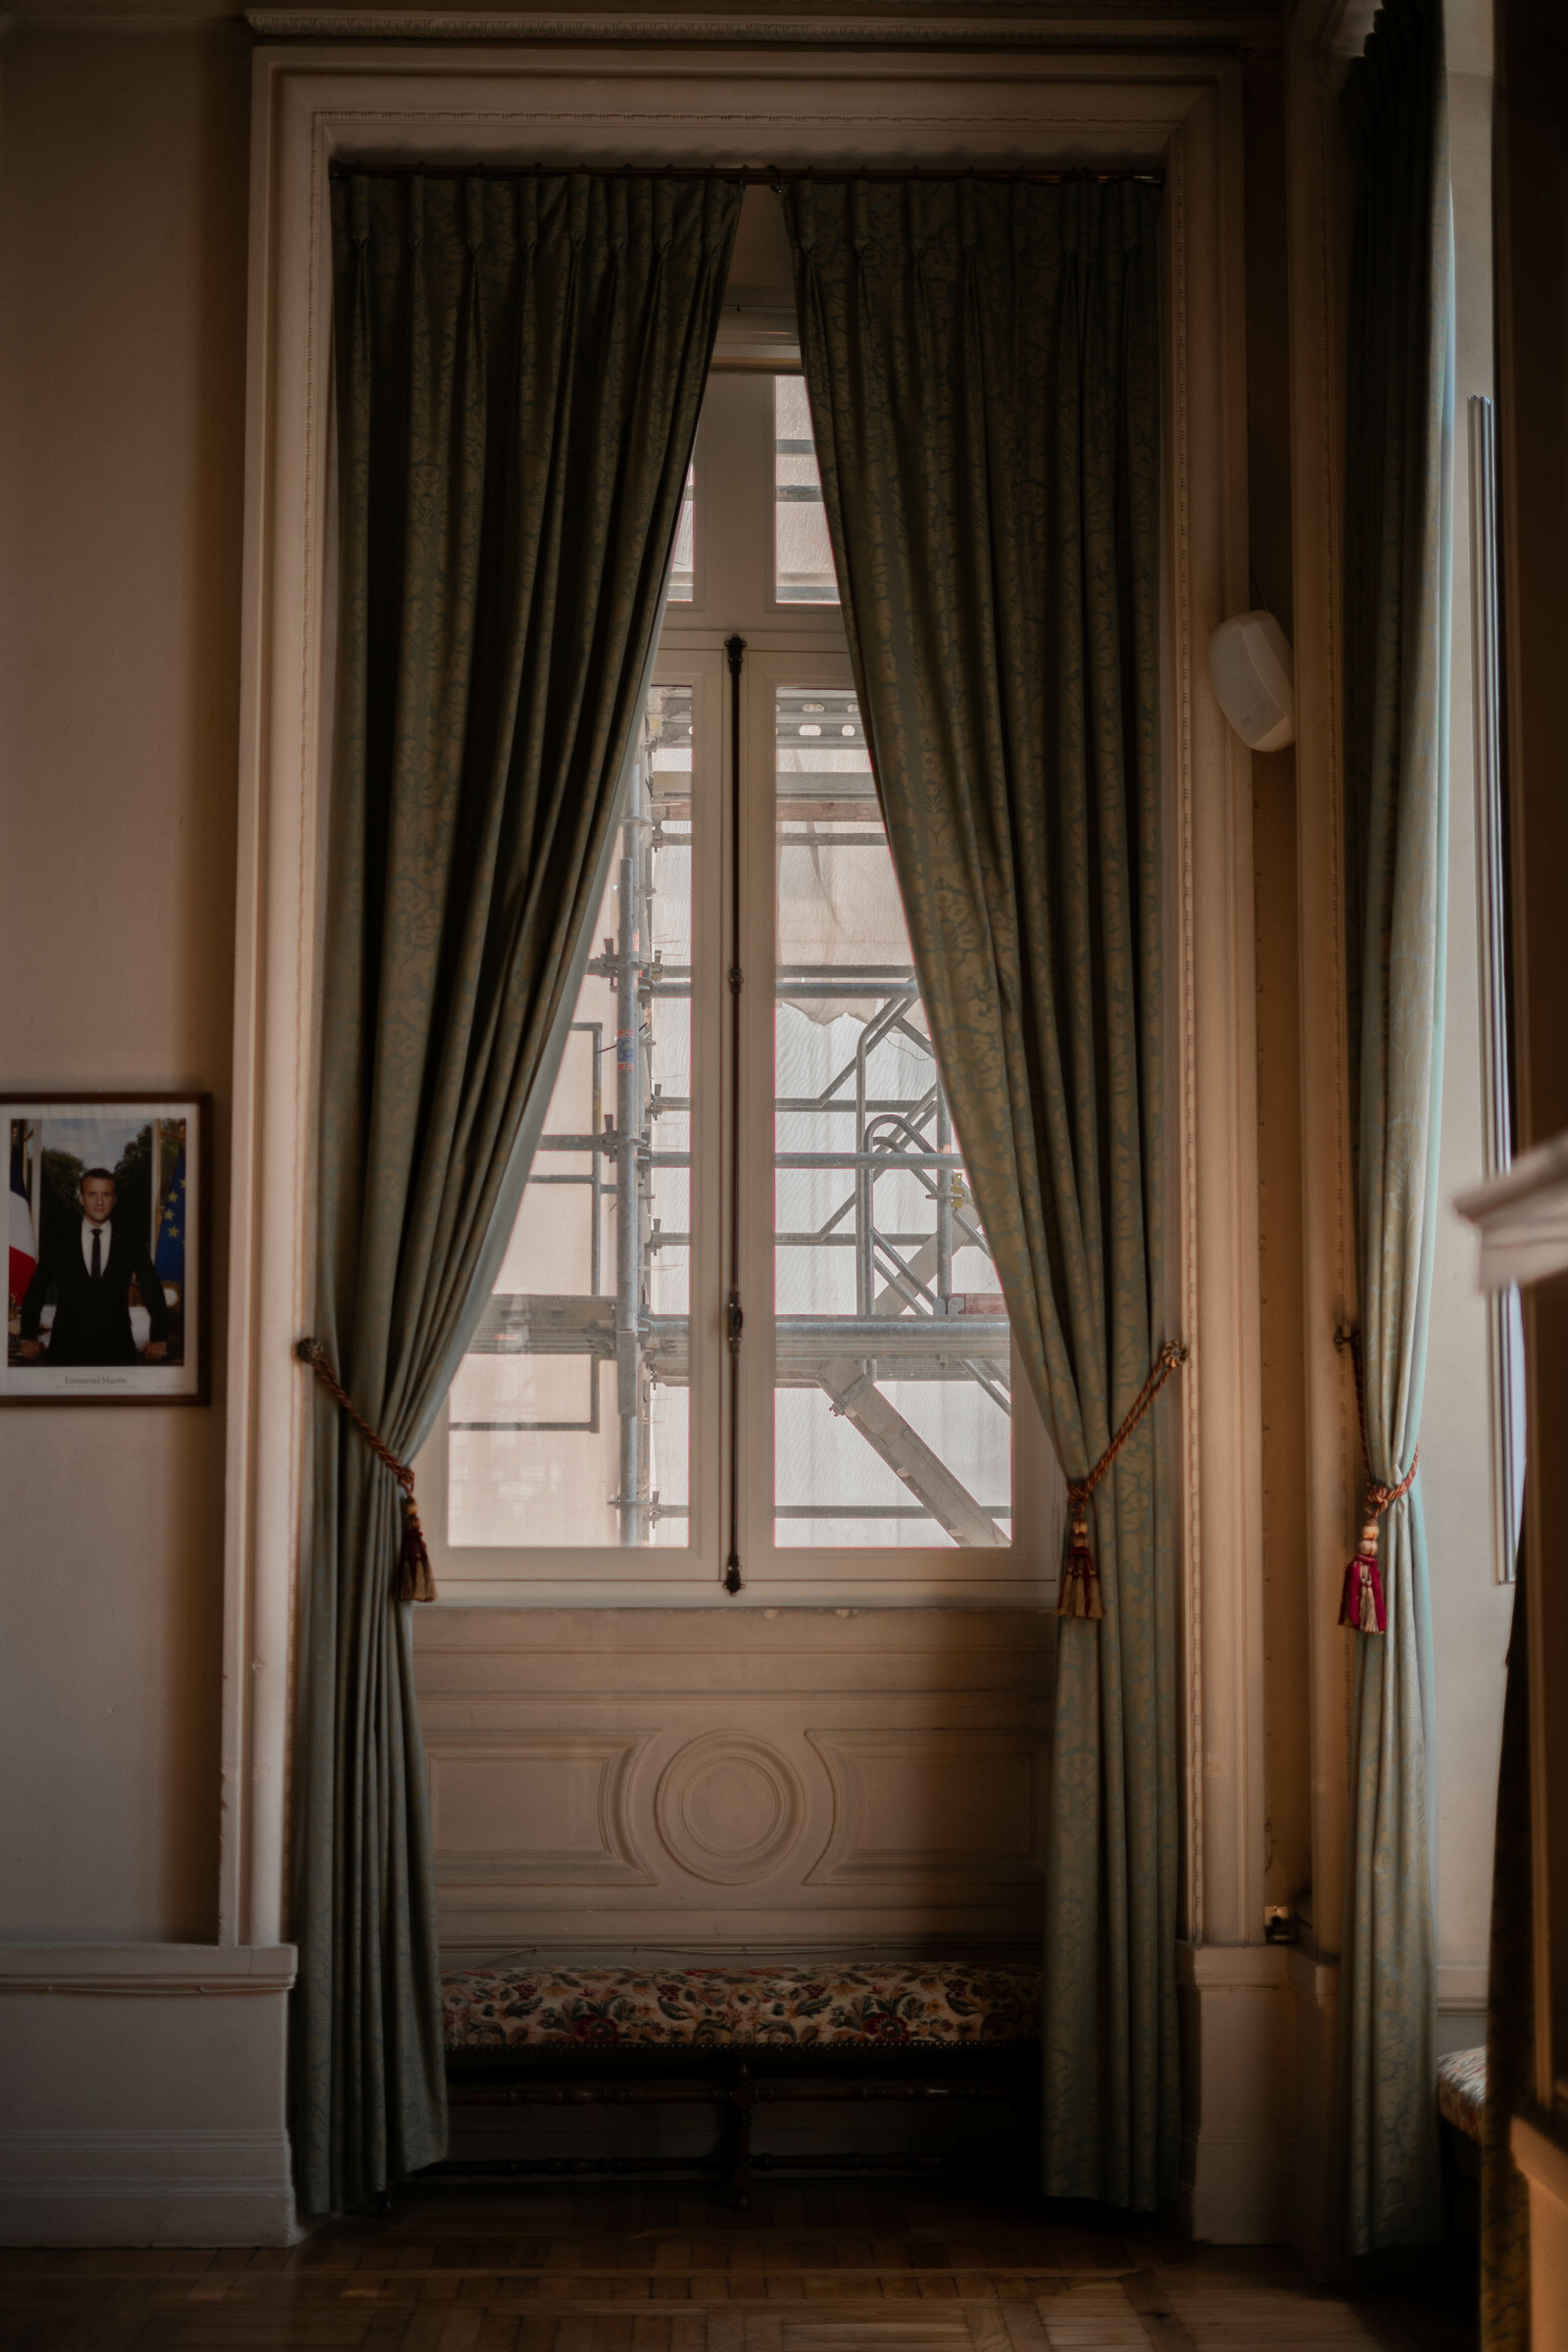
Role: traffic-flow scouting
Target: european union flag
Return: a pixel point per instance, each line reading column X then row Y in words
column 170, row 1264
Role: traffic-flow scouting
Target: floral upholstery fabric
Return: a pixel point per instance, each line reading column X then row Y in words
column 1462, row 2091
column 880, row 2005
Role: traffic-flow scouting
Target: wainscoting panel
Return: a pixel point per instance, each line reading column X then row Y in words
column 970, row 1797
column 534, row 1809
column 692, row 1783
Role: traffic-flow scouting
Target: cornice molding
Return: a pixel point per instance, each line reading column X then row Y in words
column 1249, row 26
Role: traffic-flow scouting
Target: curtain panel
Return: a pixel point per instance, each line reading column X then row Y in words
column 1398, row 426
column 519, row 367
column 1510, row 2013
column 983, row 366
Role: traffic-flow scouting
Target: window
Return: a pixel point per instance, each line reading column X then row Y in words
column 566, row 1429
column 884, row 1447
column 880, row 1437
column 683, row 559
column 802, row 559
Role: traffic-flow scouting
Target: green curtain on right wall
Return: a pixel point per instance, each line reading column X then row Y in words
column 1398, row 429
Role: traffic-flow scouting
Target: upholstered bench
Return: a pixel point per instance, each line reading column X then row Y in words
column 734, row 2040
column 1462, row 2092
column 1461, row 2102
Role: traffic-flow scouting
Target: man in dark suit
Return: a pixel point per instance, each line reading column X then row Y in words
column 89, row 1268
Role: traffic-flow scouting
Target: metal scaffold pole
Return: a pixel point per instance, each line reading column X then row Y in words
column 632, row 1142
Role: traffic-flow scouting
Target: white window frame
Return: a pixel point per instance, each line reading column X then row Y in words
column 803, row 643
column 855, row 96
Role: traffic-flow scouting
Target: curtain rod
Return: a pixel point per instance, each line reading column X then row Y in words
column 747, row 176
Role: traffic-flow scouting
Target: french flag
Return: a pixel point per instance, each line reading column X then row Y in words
column 23, row 1248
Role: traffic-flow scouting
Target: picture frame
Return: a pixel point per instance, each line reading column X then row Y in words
column 109, row 1286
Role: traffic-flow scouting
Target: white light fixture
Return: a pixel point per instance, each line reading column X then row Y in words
column 1253, row 676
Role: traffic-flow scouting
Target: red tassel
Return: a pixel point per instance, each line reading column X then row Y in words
column 1362, row 1602
column 1078, row 1595
column 415, row 1581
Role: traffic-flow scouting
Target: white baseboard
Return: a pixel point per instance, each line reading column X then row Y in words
column 142, row 2096
column 146, row 2189
column 1237, row 2062
column 1234, row 2187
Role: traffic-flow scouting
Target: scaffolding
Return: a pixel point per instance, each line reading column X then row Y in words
column 867, row 1144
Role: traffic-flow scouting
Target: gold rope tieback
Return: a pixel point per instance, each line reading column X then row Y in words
column 1362, row 1602
column 1078, row 1595
column 414, row 1580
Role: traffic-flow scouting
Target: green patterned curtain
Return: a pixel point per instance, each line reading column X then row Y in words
column 1510, row 2015
column 983, row 365
column 519, row 367
column 1397, row 436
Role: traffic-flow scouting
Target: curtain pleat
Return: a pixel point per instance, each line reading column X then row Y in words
column 519, row 367
column 1397, row 434
column 983, row 366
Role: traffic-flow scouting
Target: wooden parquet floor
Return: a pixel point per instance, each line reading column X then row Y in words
column 820, row 2268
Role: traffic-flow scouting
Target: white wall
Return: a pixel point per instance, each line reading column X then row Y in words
column 141, row 2081
column 123, row 191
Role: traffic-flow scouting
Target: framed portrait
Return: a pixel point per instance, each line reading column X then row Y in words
column 108, row 1289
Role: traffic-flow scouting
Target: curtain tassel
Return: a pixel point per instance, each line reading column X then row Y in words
column 1361, row 1602
column 412, row 1579
column 1078, row 1595
column 1361, row 1605
column 415, row 1580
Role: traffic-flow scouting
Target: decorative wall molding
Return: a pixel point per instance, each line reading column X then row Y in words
column 729, row 1807
column 115, row 23
column 756, row 1827
column 902, row 27
column 987, row 1817
column 536, row 1785
column 146, row 1968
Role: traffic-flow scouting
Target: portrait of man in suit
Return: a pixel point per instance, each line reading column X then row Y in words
column 88, row 1269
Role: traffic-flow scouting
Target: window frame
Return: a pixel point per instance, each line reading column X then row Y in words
column 587, row 90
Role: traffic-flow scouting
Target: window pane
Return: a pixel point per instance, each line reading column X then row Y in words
column 802, row 559
column 683, row 563
column 568, row 1420
column 892, row 1410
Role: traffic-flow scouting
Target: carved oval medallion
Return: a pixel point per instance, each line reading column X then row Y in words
column 729, row 1807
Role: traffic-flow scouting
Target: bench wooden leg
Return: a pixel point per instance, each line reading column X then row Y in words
column 736, row 2138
